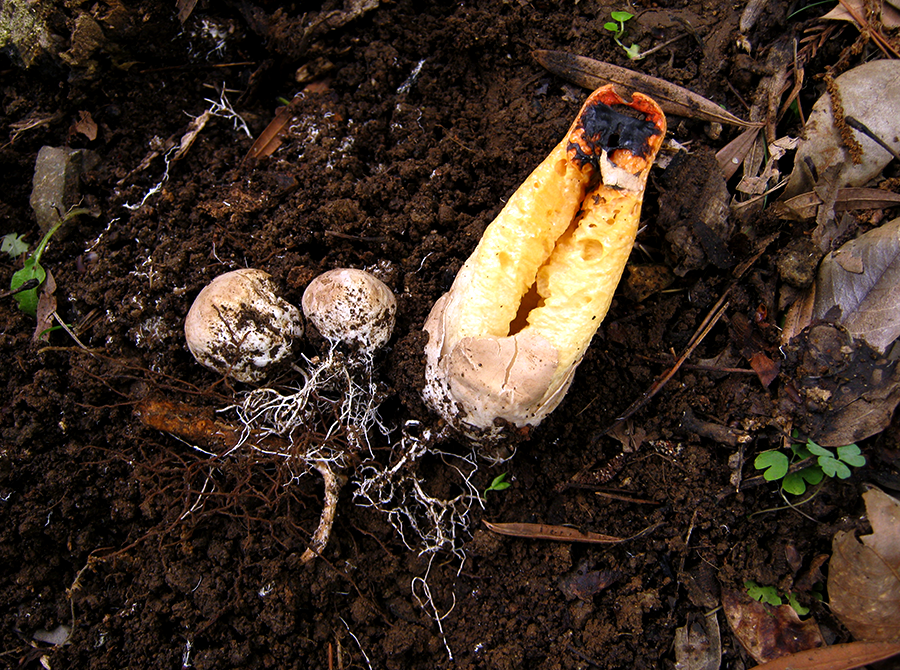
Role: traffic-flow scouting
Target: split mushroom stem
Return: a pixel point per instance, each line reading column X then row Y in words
column 506, row 339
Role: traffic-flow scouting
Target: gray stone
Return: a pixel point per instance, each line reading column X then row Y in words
column 55, row 186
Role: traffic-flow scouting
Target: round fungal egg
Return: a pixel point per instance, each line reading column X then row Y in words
column 238, row 326
column 351, row 306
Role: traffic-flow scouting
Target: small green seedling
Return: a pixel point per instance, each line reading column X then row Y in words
column 764, row 594
column 28, row 299
column 770, row 596
column 12, row 245
column 499, row 484
column 617, row 28
column 828, row 464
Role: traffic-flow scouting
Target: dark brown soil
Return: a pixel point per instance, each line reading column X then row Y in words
column 425, row 117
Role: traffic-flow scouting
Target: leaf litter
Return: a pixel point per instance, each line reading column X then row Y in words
column 864, row 573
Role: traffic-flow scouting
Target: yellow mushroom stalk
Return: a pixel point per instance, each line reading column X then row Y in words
column 505, row 340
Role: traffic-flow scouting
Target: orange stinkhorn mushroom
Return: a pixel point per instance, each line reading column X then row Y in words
column 505, row 340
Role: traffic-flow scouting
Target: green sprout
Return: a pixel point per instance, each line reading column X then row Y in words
column 498, row 484
column 617, row 28
column 828, row 464
column 770, row 596
column 764, row 594
column 28, row 299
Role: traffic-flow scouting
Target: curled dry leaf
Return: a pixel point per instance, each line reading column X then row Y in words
column 861, row 279
column 864, row 577
column 768, row 632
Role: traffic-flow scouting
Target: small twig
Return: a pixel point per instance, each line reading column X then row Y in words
column 790, row 505
column 865, row 130
column 360, row 238
column 760, row 480
column 698, row 366
column 646, row 53
column 687, row 540
column 584, row 657
column 27, row 286
column 69, row 331
column 618, row 496
column 711, row 319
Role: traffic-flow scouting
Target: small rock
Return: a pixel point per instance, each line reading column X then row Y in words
column 55, row 185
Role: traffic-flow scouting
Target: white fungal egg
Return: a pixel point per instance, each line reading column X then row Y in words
column 351, row 306
column 239, row 327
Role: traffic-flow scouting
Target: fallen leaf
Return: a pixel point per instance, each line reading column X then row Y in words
column 805, row 206
column 542, row 531
column 698, row 645
column 584, row 584
column 86, row 125
column 870, row 93
column 764, row 367
column 864, row 578
column 46, row 308
column 768, row 632
column 733, row 154
column 845, row 391
column 270, row 138
column 629, row 435
column 185, row 7
column 835, row 657
column 591, row 74
column 862, row 279
column 694, row 212
column 890, row 17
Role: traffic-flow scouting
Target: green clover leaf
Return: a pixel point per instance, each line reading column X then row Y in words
column 774, row 463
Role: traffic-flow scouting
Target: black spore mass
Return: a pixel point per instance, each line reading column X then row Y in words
column 608, row 129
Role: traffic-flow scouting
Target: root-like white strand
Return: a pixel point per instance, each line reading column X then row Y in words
column 424, row 523
column 319, row 539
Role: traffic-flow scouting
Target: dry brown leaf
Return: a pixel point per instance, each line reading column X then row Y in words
column 185, row 7
column 870, row 93
column 806, row 205
column 86, row 125
column 542, row 531
column 733, row 154
column 890, row 16
column 584, row 584
column 862, row 279
column 270, row 139
column 864, row 578
column 698, row 645
column 835, row 657
column 46, row 307
column 768, row 632
column 591, row 74
column 841, row 389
